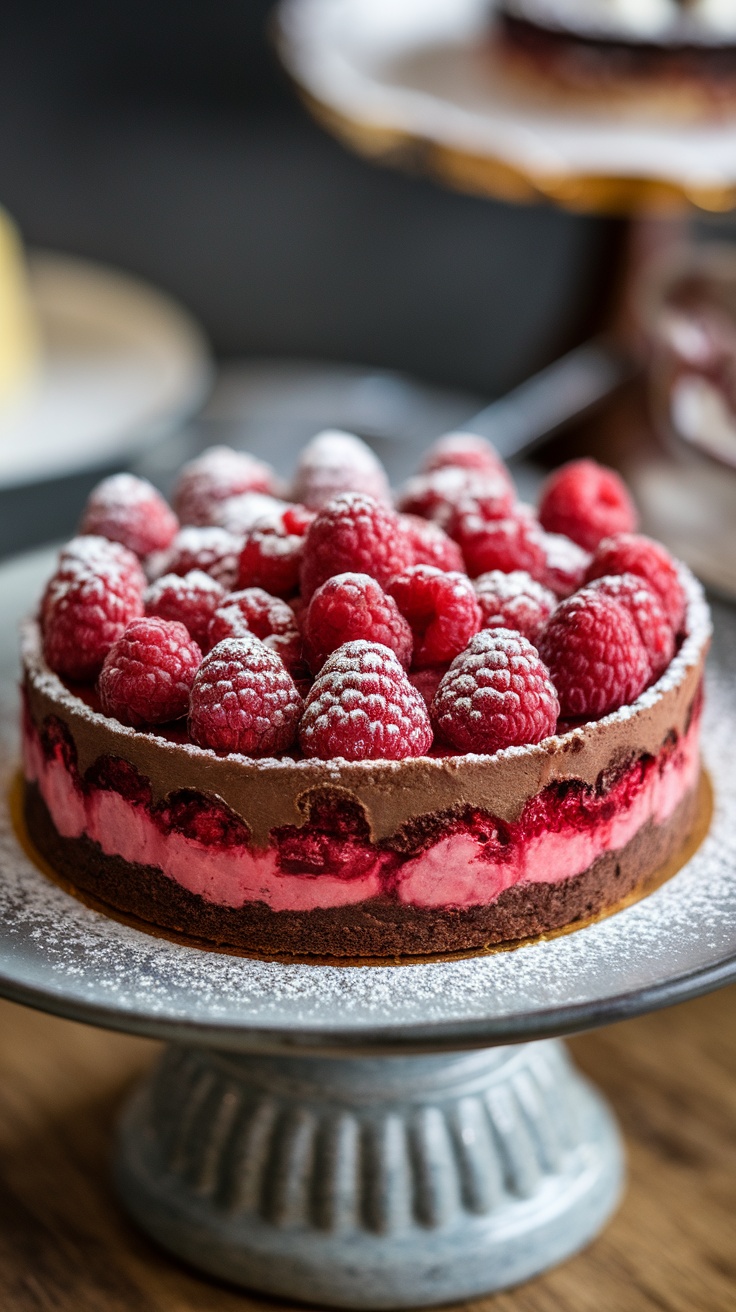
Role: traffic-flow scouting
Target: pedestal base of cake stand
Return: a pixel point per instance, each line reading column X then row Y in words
column 380, row 1182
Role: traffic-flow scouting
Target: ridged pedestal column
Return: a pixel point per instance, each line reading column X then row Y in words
column 370, row 1183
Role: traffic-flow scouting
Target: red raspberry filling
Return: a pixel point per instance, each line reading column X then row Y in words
column 353, row 534
column 592, row 648
column 191, row 598
column 129, row 510
column 213, row 477
column 362, row 707
column 586, row 502
column 148, row 673
column 272, row 554
column 514, row 601
column 348, row 607
column 335, row 462
column 495, row 694
column 244, row 700
column 442, row 609
column 632, row 553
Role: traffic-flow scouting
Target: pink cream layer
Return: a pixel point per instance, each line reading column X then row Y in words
column 457, row 870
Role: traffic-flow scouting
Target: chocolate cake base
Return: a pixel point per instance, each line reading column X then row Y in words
column 381, row 927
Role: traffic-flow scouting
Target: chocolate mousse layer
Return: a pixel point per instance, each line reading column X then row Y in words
column 378, row 928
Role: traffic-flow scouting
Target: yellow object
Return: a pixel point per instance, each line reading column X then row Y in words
column 18, row 331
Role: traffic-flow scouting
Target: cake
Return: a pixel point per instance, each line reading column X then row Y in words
column 635, row 55
column 323, row 738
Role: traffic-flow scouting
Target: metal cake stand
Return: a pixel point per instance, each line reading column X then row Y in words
column 380, row 1136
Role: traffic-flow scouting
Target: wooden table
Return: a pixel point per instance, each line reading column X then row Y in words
column 66, row 1247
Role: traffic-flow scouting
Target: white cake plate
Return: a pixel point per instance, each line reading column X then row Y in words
column 418, row 84
column 121, row 365
column 364, row 1136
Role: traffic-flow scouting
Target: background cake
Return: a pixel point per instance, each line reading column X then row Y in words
column 656, row 55
column 383, row 756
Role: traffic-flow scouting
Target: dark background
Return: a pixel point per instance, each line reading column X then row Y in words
column 164, row 138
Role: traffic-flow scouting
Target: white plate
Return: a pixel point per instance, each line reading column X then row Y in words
column 424, row 70
column 121, row 363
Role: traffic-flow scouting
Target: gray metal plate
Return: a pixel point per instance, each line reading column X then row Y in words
column 61, row 956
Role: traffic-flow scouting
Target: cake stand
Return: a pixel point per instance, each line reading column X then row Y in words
column 420, row 85
column 380, row 1136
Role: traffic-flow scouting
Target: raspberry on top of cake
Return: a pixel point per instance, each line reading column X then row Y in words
column 360, row 725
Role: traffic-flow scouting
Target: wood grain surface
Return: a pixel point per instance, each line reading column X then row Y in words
column 65, row 1246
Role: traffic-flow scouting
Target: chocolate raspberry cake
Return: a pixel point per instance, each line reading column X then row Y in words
column 358, row 727
column 670, row 55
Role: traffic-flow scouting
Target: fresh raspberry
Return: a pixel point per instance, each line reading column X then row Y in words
column 244, row 700
column 586, row 502
column 496, row 694
column 353, row 533
column 336, row 462
column 191, row 598
column 213, row 550
column 148, row 673
column 85, row 556
column 489, row 500
column 214, row 476
column 427, row 682
column 129, row 510
column 566, row 564
column 83, row 616
column 463, row 451
column 272, row 554
column 632, row 553
column 594, row 653
column 88, row 554
column 442, row 610
column 430, row 544
column 269, row 618
column 437, row 495
column 362, row 707
column 645, row 609
column 348, row 607
column 514, row 601
column 240, row 514
column 506, row 544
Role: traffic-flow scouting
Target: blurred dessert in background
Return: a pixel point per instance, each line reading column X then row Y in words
column 652, row 56
column 18, row 332
column 694, row 372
